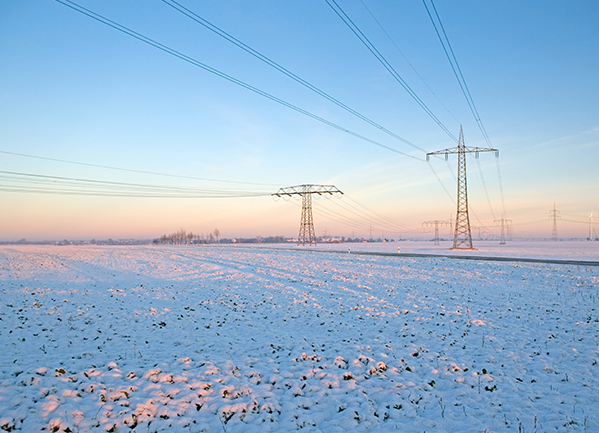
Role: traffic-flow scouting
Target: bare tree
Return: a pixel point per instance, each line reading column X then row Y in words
column 182, row 237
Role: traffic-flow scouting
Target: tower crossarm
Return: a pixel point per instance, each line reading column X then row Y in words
column 463, row 149
column 306, row 233
column 436, row 222
column 307, row 189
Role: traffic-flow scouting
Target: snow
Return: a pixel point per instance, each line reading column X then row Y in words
column 235, row 339
column 544, row 250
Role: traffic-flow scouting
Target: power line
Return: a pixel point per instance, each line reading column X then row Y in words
column 129, row 170
column 378, row 222
column 484, row 184
column 406, row 59
column 441, row 182
column 359, row 223
column 207, row 24
column 457, row 71
column 356, row 31
column 45, row 184
column 123, row 194
column 338, row 218
column 220, row 74
column 368, row 214
column 500, row 183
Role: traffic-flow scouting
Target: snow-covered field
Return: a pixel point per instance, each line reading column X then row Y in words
column 227, row 339
column 549, row 250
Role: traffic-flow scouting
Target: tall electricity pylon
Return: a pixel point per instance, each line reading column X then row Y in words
column 591, row 230
column 436, row 223
column 510, row 230
column 554, row 215
column 462, row 238
column 306, row 231
column 504, row 229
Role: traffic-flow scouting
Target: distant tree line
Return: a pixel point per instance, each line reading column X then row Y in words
column 183, row 237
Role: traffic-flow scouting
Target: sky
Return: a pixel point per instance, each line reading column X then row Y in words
column 73, row 89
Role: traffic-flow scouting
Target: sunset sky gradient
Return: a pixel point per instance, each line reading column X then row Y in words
column 74, row 89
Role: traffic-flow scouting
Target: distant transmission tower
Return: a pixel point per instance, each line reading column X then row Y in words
column 591, row 229
column 504, row 224
column 436, row 223
column 554, row 215
column 462, row 238
column 306, row 231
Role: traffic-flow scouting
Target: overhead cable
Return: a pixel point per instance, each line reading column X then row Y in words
column 484, row 184
column 378, row 222
column 356, row 31
column 338, row 218
column 129, row 170
column 220, row 74
column 406, row 59
column 46, row 184
column 457, row 71
column 202, row 21
column 368, row 213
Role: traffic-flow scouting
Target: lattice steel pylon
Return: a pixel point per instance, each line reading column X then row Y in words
column 436, row 223
column 554, row 215
column 504, row 225
column 462, row 238
column 306, row 231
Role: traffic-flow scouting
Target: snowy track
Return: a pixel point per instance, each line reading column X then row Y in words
column 238, row 340
column 454, row 256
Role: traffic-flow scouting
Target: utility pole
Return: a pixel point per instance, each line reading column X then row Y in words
column 306, row 231
column 554, row 215
column 436, row 223
column 462, row 238
column 591, row 226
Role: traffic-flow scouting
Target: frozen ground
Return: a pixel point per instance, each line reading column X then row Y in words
column 228, row 339
column 558, row 250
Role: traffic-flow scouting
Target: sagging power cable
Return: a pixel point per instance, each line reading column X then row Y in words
column 215, row 29
column 220, row 74
column 356, row 31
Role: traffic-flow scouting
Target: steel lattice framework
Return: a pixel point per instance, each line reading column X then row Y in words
column 504, row 224
column 462, row 238
column 436, row 223
column 306, row 231
column 554, row 215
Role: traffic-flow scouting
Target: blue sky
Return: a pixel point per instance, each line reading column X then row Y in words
column 74, row 89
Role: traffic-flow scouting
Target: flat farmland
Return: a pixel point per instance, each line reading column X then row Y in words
column 226, row 339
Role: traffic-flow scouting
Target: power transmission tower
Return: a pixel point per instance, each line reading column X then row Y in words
column 591, row 229
column 436, row 223
column 554, row 215
column 504, row 224
column 306, row 231
column 462, row 238
column 477, row 230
